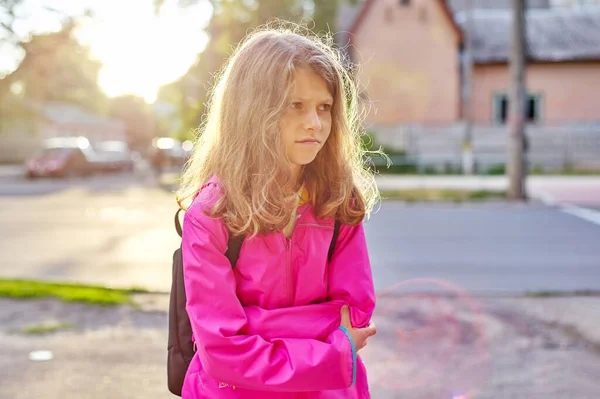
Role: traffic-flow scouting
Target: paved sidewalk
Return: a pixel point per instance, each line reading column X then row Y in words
column 9, row 171
column 490, row 348
column 580, row 190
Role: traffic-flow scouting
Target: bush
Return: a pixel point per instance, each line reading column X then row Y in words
column 405, row 169
column 370, row 144
column 496, row 170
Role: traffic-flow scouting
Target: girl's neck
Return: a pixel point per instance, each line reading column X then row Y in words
column 297, row 178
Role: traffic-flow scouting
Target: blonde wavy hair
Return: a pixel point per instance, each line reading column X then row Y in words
column 240, row 141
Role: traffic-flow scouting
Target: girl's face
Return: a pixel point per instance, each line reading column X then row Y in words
column 306, row 121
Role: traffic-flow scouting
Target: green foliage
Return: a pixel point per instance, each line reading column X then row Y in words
column 56, row 68
column 231, row 21
column 404, row 169
column 138, row 118
column 496, row 170
column 441, row 195
column 10, row 17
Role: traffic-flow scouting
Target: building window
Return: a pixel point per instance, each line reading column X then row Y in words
column 533, row 108
column 500, row 108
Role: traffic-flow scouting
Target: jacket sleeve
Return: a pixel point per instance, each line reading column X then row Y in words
column 317, row 320
column 350, row 276
column 218, row 320
column 350, row 283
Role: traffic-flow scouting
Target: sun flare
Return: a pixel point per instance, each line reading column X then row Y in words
column 141, row 51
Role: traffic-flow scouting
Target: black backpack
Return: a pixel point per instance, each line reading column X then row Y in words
column 181, row 348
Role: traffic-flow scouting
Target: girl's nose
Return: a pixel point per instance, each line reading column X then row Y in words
column 313, row 122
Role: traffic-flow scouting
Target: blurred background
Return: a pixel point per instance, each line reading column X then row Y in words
column 484, row 249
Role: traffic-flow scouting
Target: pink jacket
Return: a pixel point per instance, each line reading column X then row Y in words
column 270, row 327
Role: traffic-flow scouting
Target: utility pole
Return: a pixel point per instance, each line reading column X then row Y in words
column 467, row 92
column 516, row 115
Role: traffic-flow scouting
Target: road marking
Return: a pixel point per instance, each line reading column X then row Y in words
column 547, row 199
column 590, row 215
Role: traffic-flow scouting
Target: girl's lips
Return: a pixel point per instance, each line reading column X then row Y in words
column 308, row 141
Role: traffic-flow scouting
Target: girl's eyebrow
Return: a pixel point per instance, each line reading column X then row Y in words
column 328, row 99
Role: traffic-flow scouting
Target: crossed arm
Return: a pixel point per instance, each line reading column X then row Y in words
column 350, row 283
column 301, row 344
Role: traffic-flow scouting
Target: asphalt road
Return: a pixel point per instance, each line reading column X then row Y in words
column 118, row 230
column 493, row 248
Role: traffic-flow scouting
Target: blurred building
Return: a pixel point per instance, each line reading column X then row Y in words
column 21, row 140
column 410, row 52
column 411, row 58
column 462, row 5
column 70, row 120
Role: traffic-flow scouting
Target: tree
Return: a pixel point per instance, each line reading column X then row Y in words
column 57, row 68
column 138, row 119
column 231, row 20
column 11, row 14
column 516, row 124
column 324, row 15
column 8, row 17
column 467, row 92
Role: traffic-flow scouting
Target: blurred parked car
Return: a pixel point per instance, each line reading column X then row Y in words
column 113, row 156
column 62, row 157
column 168, row 153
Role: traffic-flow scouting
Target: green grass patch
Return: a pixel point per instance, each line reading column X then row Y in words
column 28, row 289
column 442, row 195
column 47, row 328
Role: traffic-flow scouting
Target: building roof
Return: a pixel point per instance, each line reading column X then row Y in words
column 351, row 17
column 552, row 35
column 346, row 15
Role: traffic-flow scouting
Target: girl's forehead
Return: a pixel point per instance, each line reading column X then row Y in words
column 307, row 81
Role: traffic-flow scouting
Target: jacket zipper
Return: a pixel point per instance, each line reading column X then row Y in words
column 290, row 272
column 287, row 242
column 288, row 269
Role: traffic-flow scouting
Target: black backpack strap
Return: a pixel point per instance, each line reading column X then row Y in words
column 336, row 233
column 234, row 245
column 178, row 223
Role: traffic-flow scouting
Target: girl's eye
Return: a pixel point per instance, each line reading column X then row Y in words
column 325, row 107
column 296, row 105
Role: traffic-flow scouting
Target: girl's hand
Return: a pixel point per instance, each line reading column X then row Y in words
column 359, row 335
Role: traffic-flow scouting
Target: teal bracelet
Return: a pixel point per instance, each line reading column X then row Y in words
column 353, row 353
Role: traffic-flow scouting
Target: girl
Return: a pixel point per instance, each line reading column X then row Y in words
column 279, row 159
